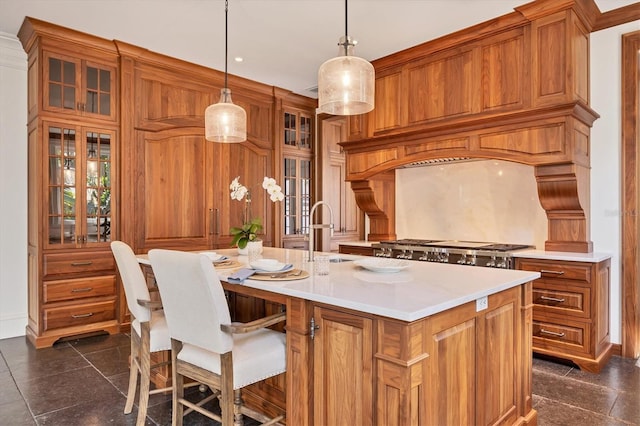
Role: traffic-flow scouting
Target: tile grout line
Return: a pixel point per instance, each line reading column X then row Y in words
column 33, row 417
column 98, row 370
column 109, row 381
column 576, row 407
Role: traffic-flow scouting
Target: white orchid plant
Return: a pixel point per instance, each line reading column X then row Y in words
column 251, row 226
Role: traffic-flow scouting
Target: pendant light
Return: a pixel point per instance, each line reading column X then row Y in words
column 346, row 83
column 224, row 121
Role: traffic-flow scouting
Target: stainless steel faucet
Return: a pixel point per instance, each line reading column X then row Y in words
column 314, row 226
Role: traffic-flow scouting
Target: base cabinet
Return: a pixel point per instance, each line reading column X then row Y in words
column 571, row 311
column 78, row 296
column 456, row 367
column 342, row 368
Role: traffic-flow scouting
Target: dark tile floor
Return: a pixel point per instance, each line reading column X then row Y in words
column 84, row 382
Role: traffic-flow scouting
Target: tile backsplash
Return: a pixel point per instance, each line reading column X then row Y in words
column 482, row 200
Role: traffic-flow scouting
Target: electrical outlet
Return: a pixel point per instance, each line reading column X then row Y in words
column 482, row 304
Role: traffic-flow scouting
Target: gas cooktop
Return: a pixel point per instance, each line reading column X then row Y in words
column 474, row 253
column 465, row 245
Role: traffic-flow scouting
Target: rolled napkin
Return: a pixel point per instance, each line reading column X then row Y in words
column 240, row 275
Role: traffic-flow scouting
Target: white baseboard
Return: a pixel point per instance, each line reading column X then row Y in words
column 12, row 326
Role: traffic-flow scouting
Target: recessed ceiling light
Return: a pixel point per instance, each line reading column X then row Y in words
column 238, row 59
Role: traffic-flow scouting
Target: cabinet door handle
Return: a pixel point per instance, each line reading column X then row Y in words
column 82, row 290
column 552, row 299
column 211, row 222
column 546, row 271
column 217, row 221
column 551, row 333
column 81, row 263
column 312, row 328
column 90, row 314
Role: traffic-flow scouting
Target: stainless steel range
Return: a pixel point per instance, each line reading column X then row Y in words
column 493, row 255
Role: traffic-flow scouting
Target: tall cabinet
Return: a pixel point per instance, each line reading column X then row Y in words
column 296, row 143
column 72, row 180
column 348, row 219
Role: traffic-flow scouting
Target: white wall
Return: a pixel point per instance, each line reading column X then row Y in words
column 606, row 47
column 13, row 187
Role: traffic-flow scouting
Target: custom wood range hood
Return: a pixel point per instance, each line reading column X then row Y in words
column 514, row 88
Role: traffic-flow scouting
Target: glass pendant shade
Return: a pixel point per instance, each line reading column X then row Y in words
column 225, row 122
column 346, row 83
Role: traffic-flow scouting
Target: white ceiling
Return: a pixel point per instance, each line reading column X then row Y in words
column 283, row 42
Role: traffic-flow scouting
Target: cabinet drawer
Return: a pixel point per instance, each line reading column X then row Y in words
column 70, row 263
column 557, row 270
column 79, row 314
column 568, row 338
column 79, row 288
column 554, row 299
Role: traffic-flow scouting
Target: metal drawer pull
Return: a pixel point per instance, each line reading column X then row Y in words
column 545, row 271
column 90, row 314
column 81, row 290
column 552, row 299
column 81, row 263
column 551, row 333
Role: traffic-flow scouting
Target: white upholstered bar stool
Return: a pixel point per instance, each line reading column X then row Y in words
column 149, row 332
column 205, row 345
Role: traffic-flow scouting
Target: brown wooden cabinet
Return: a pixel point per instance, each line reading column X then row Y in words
column 460, row 366
column 72, row 180
column 176, row 182
column 514, row 88
column 342, row 367
column 571, row 310
column 348, row 219
column 80, row 87
column 298, row 168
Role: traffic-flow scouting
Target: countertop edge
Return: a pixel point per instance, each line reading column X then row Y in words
column 594, row 257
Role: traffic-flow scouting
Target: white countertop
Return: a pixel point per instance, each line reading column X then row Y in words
column 561, row 255
column 421, row 290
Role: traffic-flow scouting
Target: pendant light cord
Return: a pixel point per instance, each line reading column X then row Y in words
column 226, row 40
column 346, row 32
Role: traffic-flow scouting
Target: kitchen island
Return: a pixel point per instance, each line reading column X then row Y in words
column 429, row 345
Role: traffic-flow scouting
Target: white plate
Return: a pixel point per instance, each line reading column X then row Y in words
column 382, row 265
column 268, row 265
column 283, row 268
column 215, row 257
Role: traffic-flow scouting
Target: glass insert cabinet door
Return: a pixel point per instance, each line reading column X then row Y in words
column 79, row 86
column 297, row 193
column 298, row 129
column 79, row 186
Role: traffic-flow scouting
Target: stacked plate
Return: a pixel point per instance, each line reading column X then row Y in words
column 269, row 266
column 215, row 257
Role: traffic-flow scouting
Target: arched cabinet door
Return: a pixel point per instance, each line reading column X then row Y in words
column 175, row 186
